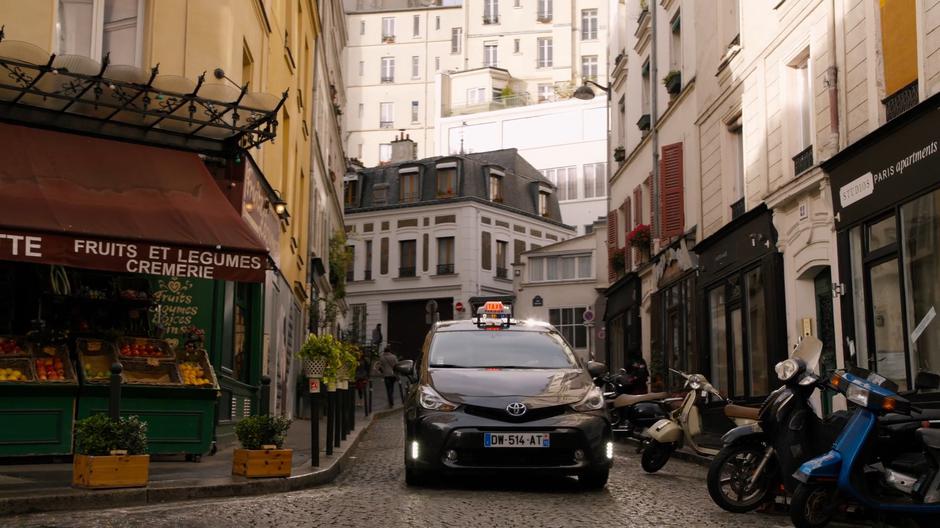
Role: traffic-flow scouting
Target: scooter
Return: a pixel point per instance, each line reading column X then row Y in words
column 870, row 463
column 631, row 413
column 756, row 459
column 699, row 422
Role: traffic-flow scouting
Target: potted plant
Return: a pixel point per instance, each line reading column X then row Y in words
column 673, row 82
column 618, row 262
column 262, row 453
column 640, row 238
column 620, row 153
column 317, row 353
column 110, row 453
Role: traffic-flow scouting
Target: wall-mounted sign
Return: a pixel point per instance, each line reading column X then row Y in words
column 258, row 212
column 537, row 300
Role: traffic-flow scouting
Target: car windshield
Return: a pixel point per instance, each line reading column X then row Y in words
column 500, row 349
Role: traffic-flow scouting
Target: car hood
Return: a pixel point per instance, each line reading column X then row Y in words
column 498, row 388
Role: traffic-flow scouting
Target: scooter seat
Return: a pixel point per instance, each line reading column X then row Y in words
column 741, row 411
column 626, row 400
column 929, row 437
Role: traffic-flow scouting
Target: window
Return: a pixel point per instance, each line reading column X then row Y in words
column 802, row 101
column 516, row 46
column 496, row 186
column 362, row 110
column 544, row 52
column 414, row 111
column 385, row 152
column 388, row 29
column 546, row 92
column 437, row 23
column 736, row 146
column 350, row 192
column 731, row 22
column 490, row 11
column 675, row 44
column 456, row 40
column 489, row 54
column 476, row 96
column 362, row 68
column 566, row 180
column 570, row 322
column 416, row 26
column 445, row 255
column 94, row 28
column 351, row 265
column 446, row 181
column 388, row 69
column 543, row 203
column 545, row 10
column 437, row 64
column 407, row 252
column 486, row 249
column 248, row 65
column 409, row 187
column 415, row 67
column 565, row 267
column 362, row 27
column 501, row 248
column 240, row 356
column 518, row 248
column 383, row 256
column 589, row 67
column 517, row 3
column 645, row 86
column 368, row 264
column 386, row 115
column 595, row 180
column 589, row 24
column 424, row 252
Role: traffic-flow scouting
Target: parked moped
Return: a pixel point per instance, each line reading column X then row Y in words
column 632, row 410
column 699, row 422
column 871, row 462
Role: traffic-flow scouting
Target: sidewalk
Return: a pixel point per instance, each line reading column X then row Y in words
column 28, row 488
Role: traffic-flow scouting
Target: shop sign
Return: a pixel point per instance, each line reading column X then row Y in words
column 537, row 300
column 131, row 257
column 259, row 214
column 181, row 305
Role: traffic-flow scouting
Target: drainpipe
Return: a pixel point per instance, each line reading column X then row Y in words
column 831, row 81
column 654, row 141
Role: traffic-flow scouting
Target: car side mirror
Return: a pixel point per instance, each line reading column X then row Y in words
column 596, row 369
column 926, row 381
column 405, row 368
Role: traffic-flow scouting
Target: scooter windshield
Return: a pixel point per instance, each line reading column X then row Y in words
column 809, row 351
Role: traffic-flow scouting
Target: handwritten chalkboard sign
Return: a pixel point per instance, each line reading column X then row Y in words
column 181, row 303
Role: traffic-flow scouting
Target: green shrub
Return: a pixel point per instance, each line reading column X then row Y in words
column 256, row 431
column 98, row 435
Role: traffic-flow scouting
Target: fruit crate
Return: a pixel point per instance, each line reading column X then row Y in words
column 144, row 348
column 200, row 361
column 150, row 372
column 12, row 346
column 95, row 358
column 51, row 364
column 16, row 370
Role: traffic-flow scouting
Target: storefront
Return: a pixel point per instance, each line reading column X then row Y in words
column 886, row 202
column 622, row 322
column 742, row 306
column 673, row 336
column 117, row 252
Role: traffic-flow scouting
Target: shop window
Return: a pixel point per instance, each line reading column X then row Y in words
column 672, row 326
column 570, row 323
column 920, row 224
column 718, row 339
column 757, row 324
column 241, row 334
column 95, row 28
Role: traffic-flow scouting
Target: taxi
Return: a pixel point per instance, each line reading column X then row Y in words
column 493, row 394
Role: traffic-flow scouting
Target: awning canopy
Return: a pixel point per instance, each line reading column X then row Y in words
column 93, row 203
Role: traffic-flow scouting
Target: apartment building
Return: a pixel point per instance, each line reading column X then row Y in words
column 403, row 57
column 435, row 235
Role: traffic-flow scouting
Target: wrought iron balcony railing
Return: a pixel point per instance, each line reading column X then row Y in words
column 901, row 101
column 410, row 197
column 501, row 273
column 445, row 269
column 386, row 124
column 737, row 208
column 803, row 160
column 407, row 271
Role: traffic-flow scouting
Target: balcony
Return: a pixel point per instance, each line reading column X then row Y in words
column 901, row 101
column 407, row 272
column 499, row 103
column 803, row 160
column 490, row 19
column 388, row 39
column 544, row 18
column 502, row 273
column 386, row 124
column 445, row 269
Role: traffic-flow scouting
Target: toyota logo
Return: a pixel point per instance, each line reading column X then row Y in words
column 516, row 409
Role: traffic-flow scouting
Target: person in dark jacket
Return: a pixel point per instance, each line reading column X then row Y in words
column 387, row 362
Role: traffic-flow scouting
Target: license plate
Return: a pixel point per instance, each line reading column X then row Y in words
column 516, row 440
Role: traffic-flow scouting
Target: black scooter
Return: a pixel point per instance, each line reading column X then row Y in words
column 631, row 413
column 756, row 459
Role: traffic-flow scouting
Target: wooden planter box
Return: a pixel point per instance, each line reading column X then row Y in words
column 254, row 463
column 101, row 472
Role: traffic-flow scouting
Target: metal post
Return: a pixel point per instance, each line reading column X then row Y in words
column 330, row 412
column 315, row 427
column 265, row 407
column 352, row 411
column 114, row 402
column 367, row 395
column 343, row 413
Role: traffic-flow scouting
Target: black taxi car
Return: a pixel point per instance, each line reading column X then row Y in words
column 494, row 394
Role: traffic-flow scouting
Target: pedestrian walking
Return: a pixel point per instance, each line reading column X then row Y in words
column 387, row 363
column 377, row 337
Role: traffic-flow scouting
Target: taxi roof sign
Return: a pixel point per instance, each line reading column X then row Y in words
column 494, row 315
column 494, row 307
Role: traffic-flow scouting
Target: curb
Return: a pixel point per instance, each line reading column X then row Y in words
column 183, row 490
column 680, row 454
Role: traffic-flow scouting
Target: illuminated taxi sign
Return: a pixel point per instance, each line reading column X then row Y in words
column 494, row 307
column 494, row 315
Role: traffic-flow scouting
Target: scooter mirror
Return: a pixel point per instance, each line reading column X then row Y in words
column 809, row 350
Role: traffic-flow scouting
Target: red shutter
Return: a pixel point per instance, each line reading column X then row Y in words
column 638, row 210
column 627, row 226
column 653, row 207
column 672, row 205
column 611, row 244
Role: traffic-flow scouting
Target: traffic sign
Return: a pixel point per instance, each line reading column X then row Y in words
column 314, row 386
column 588, row 316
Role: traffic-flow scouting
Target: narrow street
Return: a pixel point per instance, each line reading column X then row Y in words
column 372, row 492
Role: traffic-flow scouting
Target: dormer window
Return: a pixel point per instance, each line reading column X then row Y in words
column 447, row 179
column 496, row 185
column 410, row 188
column 545, row 190
column 350, row 191
column 380, row 194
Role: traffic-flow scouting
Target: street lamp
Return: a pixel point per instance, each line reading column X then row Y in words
column 586, row 93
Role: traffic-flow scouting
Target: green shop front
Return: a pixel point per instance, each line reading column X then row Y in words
column 119, row 253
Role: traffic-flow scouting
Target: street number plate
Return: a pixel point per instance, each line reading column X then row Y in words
column 516, row 440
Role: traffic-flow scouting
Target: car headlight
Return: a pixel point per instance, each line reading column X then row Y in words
column 787, row 368
column 429, row 399
column 593, row 401
column 857, row 394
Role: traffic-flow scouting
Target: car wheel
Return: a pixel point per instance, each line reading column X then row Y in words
column 812, row 505
column 594, row 480
column 655, row 456
column 729, row 475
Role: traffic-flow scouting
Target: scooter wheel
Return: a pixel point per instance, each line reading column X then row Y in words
column 655, row 456
column 728, row 476
column 812, row 505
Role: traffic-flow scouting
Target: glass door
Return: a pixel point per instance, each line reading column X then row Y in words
column 885, row 318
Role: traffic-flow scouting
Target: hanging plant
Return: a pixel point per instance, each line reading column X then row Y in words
column 640, row 237
column 618, row 262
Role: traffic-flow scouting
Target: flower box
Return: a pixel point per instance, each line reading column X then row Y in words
column 257, row 463
column 110, row 471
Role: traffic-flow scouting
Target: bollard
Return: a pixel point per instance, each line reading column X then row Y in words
column 315, row 423
column 330, row 417
column 337, row 418
column 114, row 401
column 369, row 396
column 265, row 395
column 352, row 413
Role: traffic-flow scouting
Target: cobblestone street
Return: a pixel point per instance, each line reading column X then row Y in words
column 371, row 492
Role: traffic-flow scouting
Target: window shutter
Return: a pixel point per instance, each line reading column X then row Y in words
column 649, row 186
column 627, row 226
column 638, row 210
column 611, row 244
column 672, row 205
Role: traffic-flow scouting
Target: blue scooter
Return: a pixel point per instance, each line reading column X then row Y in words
column 887, row 458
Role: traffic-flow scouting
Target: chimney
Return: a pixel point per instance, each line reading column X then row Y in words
column 403, row 148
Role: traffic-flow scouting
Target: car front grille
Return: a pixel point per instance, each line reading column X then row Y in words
column 489, row 457
column 500, row 413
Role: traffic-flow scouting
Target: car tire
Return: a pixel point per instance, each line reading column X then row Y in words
column 594, row 480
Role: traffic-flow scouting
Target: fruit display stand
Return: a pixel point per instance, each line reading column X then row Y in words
column 38, row 391
column 175, row 397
